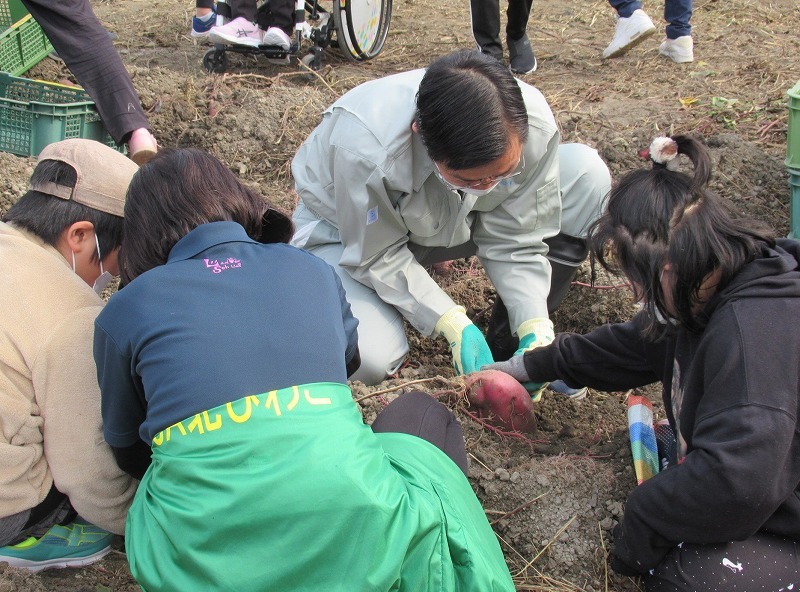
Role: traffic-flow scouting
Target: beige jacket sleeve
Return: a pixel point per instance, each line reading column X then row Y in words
column 82, row 464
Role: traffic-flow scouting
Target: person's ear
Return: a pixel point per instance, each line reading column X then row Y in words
column 414, row 127
column 79, row 236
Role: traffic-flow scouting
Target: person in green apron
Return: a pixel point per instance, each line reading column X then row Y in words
column 223, row 367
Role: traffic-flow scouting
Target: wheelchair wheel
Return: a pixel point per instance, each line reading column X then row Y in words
column 215, row 61
column 361, row 26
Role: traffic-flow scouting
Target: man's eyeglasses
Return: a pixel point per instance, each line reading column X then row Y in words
column 485, row 184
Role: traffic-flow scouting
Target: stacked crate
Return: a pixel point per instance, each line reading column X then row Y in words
column 23, row 44
column 793, row 158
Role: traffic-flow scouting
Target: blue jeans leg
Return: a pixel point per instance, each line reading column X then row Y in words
column 625, row 8
column 678, row 13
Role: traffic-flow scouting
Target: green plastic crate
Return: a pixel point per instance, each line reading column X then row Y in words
column 23, row 43
column 793, row 133
column 10, row 12
column 35, row 113
column 794, row 203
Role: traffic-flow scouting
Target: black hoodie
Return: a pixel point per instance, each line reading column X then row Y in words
column 730, row 392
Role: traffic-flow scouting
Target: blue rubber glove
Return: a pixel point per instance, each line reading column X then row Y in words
column 534, row 333
column 467, row 343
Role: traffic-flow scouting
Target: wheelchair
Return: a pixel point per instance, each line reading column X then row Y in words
column 359, row 27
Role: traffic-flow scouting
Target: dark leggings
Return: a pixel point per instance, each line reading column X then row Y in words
column 243, row 8
column 277, row 13
column 761, row 563
column 421, row 415
column 485, row 16
column 84, row 45
column 54, row 509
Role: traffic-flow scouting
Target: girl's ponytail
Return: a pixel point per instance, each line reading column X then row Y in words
column 664, row 152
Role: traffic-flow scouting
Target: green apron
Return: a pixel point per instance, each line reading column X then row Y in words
column 290, row 490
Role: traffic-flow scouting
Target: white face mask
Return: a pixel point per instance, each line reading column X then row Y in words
column 105, row 277
column 479, row 192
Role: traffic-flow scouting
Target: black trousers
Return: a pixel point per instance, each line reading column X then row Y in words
column 485, row 16
column 761, row 562
column 419, row 414
column 243, row 8
column 84, row 45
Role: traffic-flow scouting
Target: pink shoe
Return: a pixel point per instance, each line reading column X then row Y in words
column 142, row 146
column 239, row 31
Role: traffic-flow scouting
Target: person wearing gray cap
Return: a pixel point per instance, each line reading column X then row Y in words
column 62, row 494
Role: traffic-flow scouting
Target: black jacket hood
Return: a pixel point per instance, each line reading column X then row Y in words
column 774, row 274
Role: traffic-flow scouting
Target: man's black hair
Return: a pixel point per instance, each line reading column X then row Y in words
column 48, row 216
column 469, row 107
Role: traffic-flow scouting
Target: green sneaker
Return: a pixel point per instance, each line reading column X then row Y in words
column 74, row 545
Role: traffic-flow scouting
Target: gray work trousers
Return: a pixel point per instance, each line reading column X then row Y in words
column 585, row 182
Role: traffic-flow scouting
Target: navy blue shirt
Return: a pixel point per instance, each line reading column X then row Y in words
column 225, row 317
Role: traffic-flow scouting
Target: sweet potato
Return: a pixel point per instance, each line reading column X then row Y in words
column 500, row 398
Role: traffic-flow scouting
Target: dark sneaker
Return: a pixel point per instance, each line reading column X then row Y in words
column 494, row 50
column 74, row 545
column 201, row 27
column 559, row 386
column 522, row 60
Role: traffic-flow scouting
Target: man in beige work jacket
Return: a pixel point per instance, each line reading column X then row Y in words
column 62, row 494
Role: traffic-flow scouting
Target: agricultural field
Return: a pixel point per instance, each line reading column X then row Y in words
column 552, row 497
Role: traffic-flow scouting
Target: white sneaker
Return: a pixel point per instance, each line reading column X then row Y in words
column 630, row 32
column 239, row 31
column 276, row 36
column 680, row 50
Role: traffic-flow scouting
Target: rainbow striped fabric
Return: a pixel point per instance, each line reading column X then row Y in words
column 643, row 437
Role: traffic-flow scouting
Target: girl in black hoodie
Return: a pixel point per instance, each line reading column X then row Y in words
column 719, row 329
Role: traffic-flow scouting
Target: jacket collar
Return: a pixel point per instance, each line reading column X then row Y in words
column 207, row 236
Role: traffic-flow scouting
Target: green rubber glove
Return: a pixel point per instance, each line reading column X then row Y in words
column 467, row 343
column 534, row 333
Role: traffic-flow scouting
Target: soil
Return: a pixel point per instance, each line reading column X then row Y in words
column 554, row 496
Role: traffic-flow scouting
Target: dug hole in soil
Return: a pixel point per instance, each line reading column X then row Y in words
column 553, row 496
